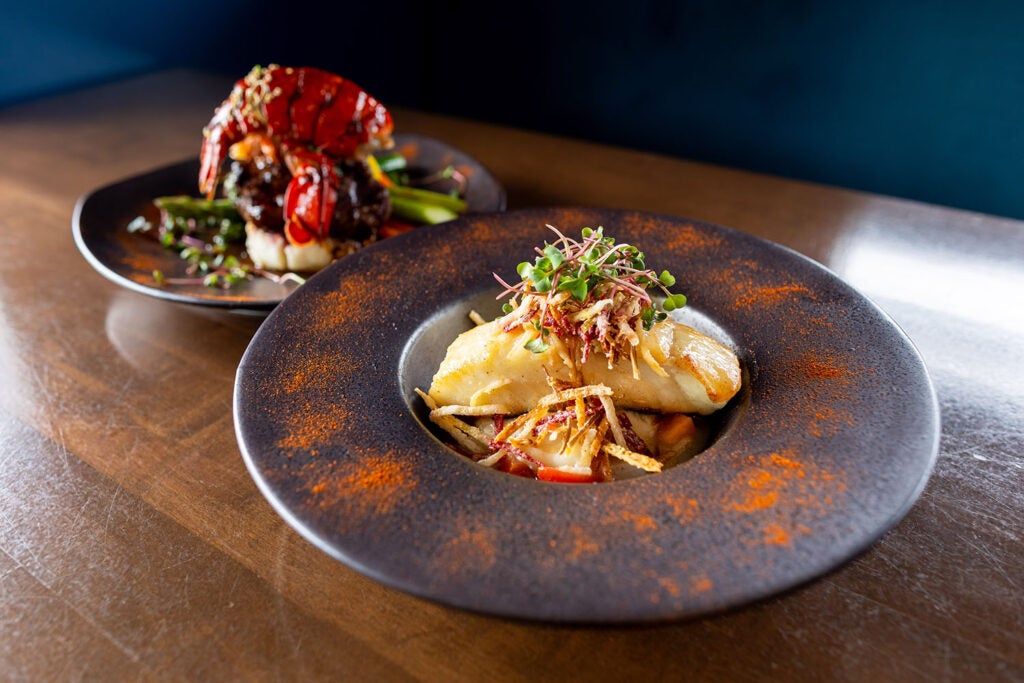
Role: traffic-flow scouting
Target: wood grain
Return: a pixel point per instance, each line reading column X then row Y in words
column 133, row 543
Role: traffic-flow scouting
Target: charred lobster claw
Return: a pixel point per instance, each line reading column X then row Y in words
column 315, row 118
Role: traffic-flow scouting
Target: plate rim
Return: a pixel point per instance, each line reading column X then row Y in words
column 929, row 437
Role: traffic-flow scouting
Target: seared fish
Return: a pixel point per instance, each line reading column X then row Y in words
column 679, row 370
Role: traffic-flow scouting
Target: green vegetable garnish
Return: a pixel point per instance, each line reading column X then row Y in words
column 537, row 345
column 201, row 231
column 419, row 211
column 588, row 291
column 392, row 162
column 428, row 198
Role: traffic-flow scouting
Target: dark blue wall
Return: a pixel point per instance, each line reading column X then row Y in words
column 916, row 99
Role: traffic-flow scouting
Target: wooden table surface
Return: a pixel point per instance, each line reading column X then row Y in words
column 134, row 545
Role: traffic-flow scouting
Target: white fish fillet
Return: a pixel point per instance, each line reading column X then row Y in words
column 487, row 365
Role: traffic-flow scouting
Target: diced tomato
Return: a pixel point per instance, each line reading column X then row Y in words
column 555, row 474
column 393, row 226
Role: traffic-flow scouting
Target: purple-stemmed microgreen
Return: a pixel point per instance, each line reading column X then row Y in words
column 202, row 231
column 593, row 290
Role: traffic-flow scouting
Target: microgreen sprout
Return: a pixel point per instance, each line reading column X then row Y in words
column 204, row 233
column 593, row 290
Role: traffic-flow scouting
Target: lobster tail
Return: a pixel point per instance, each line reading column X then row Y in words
column 311, row 196
column 316, row 118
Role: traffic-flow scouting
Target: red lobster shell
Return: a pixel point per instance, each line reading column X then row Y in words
column 315, row 118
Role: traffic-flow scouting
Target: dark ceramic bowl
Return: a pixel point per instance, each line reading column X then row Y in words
column 101, row 219
column 826, row 447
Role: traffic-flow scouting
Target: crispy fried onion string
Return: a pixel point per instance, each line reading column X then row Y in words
column 581, row 418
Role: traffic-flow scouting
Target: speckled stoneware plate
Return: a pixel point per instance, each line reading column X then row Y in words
column 101, row 218
column 826, row 447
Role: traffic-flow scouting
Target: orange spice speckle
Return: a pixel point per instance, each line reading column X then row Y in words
column 581, row 545
column 472, row 549
column 640, row 522
column 375, row 475
column 700, row 584
column 774, row 534
column 309, row 431
column 311, row 374
column 823, row 369
column 670, row 586
column 143, row 265
column 763, row 296
column 372, row 485
column 762, row 492
column 683, row 509
column 782, row 489
column 823, row 381
column 783, row 461
column 688, row 237
column 754, row 502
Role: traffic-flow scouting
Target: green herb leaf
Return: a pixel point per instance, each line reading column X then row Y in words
column 536, row 345
column 555, row 256
column 576, row 286
column 674, row 301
